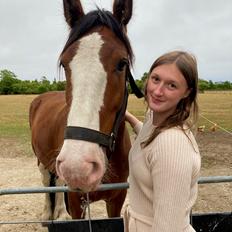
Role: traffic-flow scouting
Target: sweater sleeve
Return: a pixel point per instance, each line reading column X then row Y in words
column 171, row 169
column 137, row 128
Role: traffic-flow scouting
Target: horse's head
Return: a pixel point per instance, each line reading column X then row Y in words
column 95, row 59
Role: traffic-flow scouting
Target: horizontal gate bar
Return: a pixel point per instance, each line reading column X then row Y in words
column 214, row 179
column 102, row 187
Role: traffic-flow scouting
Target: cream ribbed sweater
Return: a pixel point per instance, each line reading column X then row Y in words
column 163, row 181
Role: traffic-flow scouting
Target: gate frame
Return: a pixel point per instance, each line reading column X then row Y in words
column 116, row 223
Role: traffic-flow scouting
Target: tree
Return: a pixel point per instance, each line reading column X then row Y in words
column 144, row 77
column 226, row 85
column 44, row 85
column 60, row 85
column 211, row 85
column 203, row 85
column 140, row 82
column 7, row 81
column 10, row 84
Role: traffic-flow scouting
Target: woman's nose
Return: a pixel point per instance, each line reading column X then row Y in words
column 158, row 89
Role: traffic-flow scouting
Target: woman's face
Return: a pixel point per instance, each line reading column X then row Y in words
column 166, row 86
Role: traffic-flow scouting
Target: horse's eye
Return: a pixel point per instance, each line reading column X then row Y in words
column 121, row 64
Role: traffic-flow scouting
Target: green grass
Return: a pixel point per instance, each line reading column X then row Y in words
column 14, row 116
column 14, row 124
column 215, row 106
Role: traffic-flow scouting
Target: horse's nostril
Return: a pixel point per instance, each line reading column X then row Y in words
column 95, row 166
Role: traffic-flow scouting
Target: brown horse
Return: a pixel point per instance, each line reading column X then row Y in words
column 79, row 136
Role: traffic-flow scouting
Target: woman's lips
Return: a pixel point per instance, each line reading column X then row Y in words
column 157, row 101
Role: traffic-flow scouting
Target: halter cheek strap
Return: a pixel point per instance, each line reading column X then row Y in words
column 133, row 85
column 86, row 134
column 108, row 141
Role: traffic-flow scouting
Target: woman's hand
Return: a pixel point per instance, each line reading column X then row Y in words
column 131, row 119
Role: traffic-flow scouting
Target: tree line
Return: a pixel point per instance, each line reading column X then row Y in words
column 203, row 85
column 11, row 84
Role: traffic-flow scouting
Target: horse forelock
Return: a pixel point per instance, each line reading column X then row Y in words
column 95, row 19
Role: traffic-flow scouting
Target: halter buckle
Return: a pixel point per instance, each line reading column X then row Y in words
column 112, row 142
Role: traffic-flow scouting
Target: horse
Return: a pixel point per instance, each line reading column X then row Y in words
column 79, row 136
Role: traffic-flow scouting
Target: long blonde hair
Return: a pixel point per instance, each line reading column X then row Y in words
column 186, row 112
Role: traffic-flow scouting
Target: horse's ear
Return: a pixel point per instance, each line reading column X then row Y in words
column 73, row 11
column 122, row 11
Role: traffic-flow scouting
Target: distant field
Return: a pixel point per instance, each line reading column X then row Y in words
column 215, row 106
column 14, row 116
column 14, row 126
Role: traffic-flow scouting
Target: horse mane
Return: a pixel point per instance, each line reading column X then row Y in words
column 94, row 19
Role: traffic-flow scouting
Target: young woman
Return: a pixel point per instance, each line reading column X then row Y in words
column 164, row 159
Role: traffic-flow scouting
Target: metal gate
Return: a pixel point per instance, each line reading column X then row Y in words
column 208, row 222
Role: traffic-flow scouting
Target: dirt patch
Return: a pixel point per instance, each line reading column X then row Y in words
column 20, row 170
column 216, row 152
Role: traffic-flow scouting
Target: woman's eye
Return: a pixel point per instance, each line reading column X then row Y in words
column 155, row 79
column 172, row 86
column 121, row 64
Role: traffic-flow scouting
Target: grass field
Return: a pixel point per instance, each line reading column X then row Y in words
column 14, row 124
column 216, row 106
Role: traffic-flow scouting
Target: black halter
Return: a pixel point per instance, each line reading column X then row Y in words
column 86, row 134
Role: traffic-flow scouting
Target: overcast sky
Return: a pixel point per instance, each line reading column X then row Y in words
column 33, row 33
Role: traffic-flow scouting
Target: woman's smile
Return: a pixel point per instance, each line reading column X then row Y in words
column 156, row 100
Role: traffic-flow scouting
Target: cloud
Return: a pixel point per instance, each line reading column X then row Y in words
column 33, row 34
column 201, row 27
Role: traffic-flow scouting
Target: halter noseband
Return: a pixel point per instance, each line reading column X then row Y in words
column 108, row 141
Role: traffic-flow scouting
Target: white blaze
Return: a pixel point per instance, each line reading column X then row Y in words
column 88, row 83
column 81, row 163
